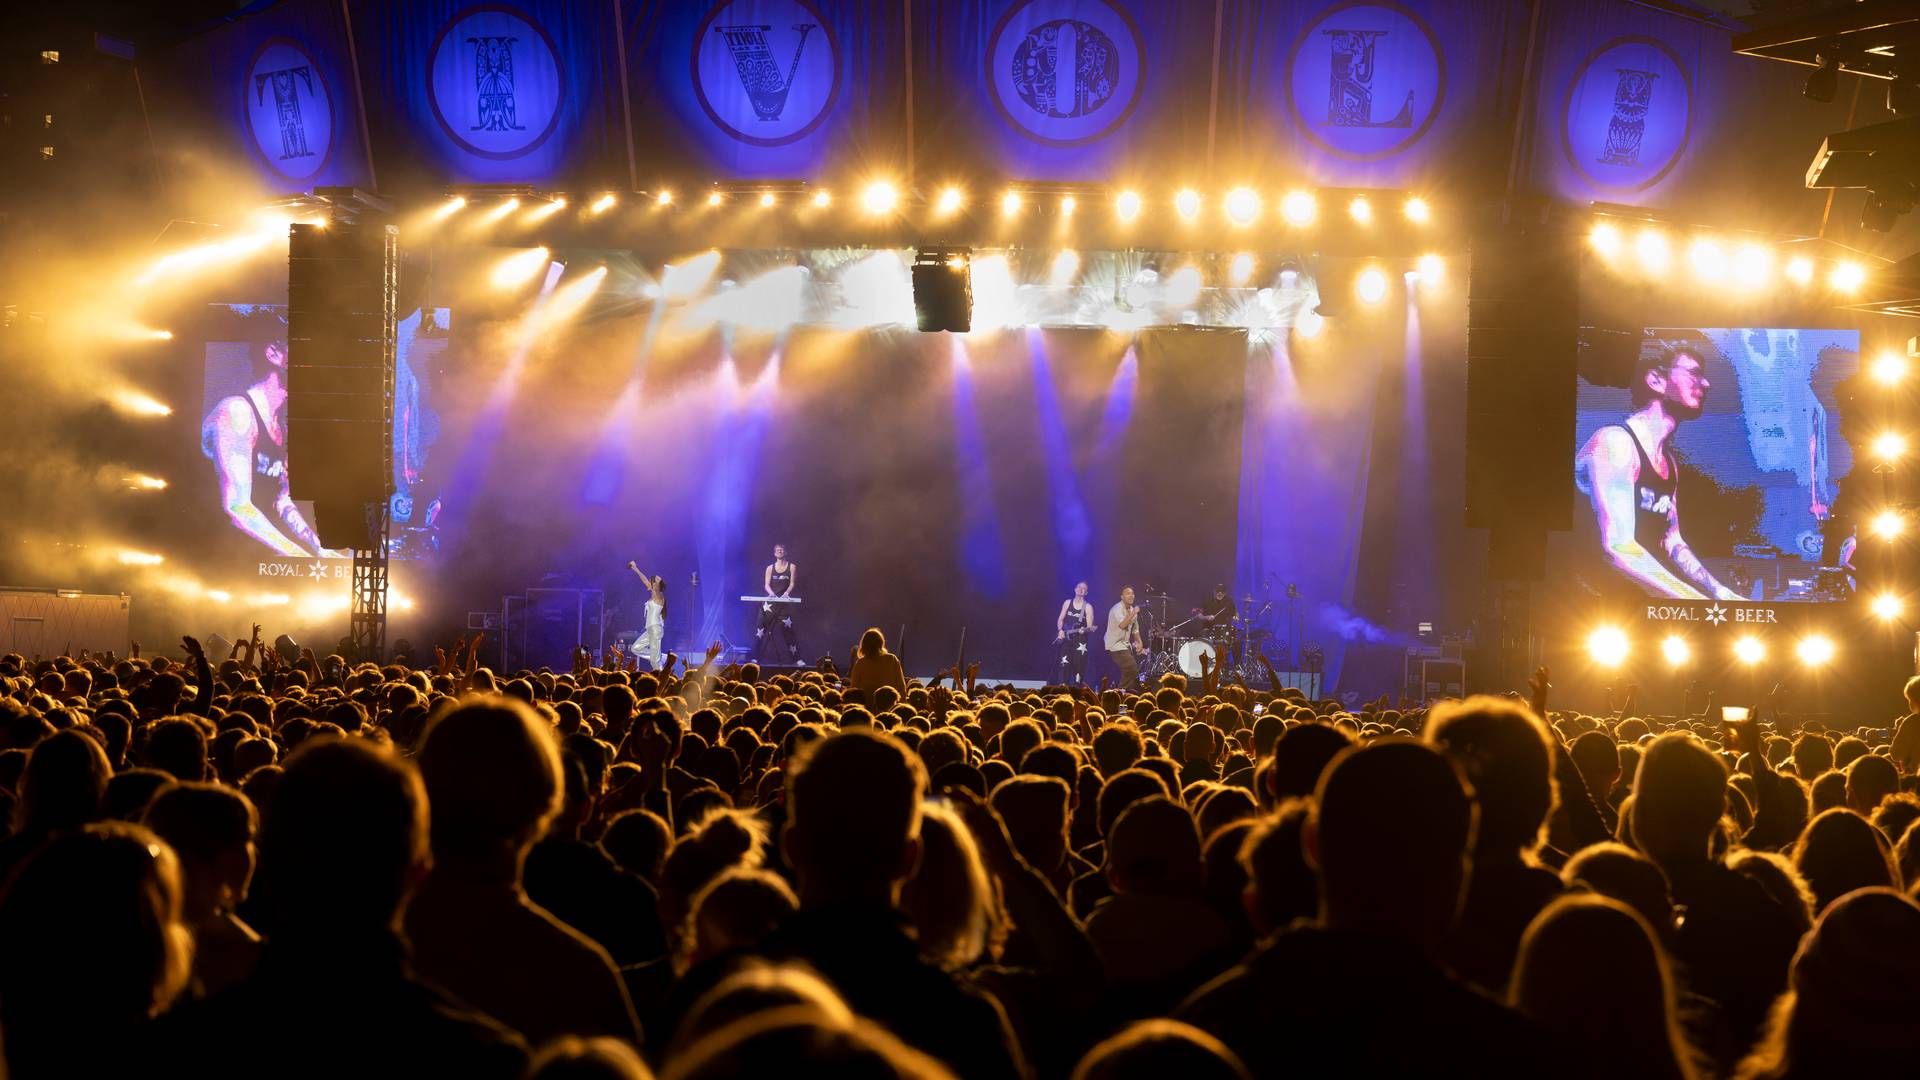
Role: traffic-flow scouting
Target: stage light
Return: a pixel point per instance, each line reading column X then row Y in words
column 1848, row 276
column 1751, row 265
column 143, row 482
column 1800, row 270
column 1360, row 209
column 1240, row 271
column 1299, row 207
column 1309, row 324
column 602, row 204
column 1890, row 446
column 1065, row 265
column 880, row 197
column 1651, row 249
column 1749, row 651
column 715, row 198
column 500, row 211
column 1605, row 239
column 1887, row 607
column 449, row 208
column 822, row 200
column 1608, row 646
column 1010, row 203
column 1888, row 524
column 1068, row 204
column 950, row 201
column 1708, row 259
column 1243, row 205
column 1889, row 368
column 1127, row 206
column 767, row 200
column 1371, row 285
column 1187, row 203
column 141, row 404
column 219, row 596
column 546, row 210
column 1431, row 268
column 130, row 557
column 1676, row 651
column 1418, row 211
column 665, row 198
column 1815, row 650
column 520, row 267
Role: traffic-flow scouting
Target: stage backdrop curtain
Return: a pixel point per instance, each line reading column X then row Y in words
column 765, row 89
column 1370, row 94
column 1645, row 108
column 1066, row 90
column 270, row 95
column 494, row 93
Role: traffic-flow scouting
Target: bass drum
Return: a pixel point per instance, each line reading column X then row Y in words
column 1190, row 654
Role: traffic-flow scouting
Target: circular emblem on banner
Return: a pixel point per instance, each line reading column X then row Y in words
column 1365, row 80
column 494, row 82
column 1629, row 114
column 767, row 72
column 289, row 109
column 1065, row 72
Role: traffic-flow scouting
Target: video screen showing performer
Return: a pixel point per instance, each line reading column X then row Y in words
column 1708, row 469
column 243, row 431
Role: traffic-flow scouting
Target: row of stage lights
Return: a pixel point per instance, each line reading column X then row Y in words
column 1749, row 265
column 1242, row 207
column 1610, row 647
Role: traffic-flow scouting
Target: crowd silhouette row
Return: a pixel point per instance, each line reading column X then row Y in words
column 281, row 866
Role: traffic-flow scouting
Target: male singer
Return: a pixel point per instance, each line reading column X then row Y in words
column 1123, row 638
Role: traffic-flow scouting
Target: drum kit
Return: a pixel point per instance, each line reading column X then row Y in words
column 1230, row 647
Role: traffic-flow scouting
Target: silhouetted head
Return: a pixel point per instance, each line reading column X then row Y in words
column 571, row 1057
column 1840, row 852
column 873, row 642
column 1679, row 794
column 1507, row 758
column 492, row 770
column 1153, row 1049
column 345, row 841
column 853, row 817
column 1391, row 838
column 1154, row 849
column 1849, row 1010
column 1281, row 886
column 63, row 784
column 950, row 900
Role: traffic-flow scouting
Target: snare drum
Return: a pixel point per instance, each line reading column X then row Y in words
column 1190, row 654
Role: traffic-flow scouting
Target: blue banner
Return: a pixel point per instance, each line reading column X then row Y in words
column 1062, row 90
column 275, row 90
column 765, row 89
column 495, row 93
column 1369, row 93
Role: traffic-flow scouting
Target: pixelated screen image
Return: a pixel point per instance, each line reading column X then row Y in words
column 1714, row 464
column 243, row 431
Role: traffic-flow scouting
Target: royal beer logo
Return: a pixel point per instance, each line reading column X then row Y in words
column 495, row 82
column 1628, row 114
column 289, row 109
column 766, row 72
column 1065, row 72
column 1714, row 614
column 1365, row 80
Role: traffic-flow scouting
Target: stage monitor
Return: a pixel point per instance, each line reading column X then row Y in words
column 1715, row 472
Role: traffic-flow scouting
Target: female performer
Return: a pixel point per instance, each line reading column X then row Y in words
column 780, row 579
column 648, row 643
column 1072, row 628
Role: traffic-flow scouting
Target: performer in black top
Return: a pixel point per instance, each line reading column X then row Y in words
column 1217, row 615
column 1073, row 628
column 779, row 580
column 1629, row 472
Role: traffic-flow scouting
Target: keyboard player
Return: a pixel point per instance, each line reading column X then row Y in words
column 780, row 580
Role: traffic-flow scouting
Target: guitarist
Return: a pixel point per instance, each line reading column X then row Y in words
column 1072, row 630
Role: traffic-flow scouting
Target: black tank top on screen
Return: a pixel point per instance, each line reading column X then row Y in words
column 1654, row 511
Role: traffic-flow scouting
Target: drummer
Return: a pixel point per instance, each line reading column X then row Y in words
column 1216, row 616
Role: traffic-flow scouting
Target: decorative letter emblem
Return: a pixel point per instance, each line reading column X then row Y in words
column 1350, row 82
column 493, row 83
column 1632, row 96
column 760, row 76
column 286, row 99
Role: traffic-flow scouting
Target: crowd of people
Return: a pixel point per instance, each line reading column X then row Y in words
column 281, row 865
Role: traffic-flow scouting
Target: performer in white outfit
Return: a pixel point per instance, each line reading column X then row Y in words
column 648, row 643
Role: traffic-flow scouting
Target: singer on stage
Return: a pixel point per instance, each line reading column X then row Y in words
column 648, row 644
column 779, row 579
column 1123, row 638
